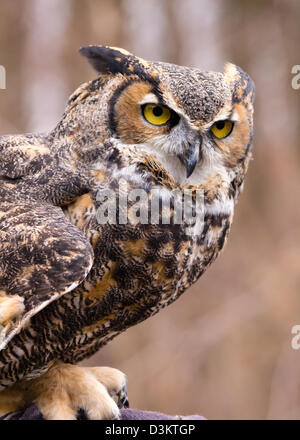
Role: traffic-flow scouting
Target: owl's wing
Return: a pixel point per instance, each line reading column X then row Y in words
column 43, row 256
column 22, row 154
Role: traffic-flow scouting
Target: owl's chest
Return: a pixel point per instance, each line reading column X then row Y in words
column 132, row 254
column 138, row 267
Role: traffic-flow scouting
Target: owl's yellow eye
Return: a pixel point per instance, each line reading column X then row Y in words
column 222, row 129
column 156, row 114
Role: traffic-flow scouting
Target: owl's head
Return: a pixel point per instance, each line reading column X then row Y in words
column 192, row 121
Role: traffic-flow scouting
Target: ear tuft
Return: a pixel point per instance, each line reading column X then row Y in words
column 107, row 59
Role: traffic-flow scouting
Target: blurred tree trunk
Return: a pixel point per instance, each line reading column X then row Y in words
column 42, row 69
column 11, row 48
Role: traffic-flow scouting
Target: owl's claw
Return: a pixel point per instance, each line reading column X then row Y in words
column 122, row 399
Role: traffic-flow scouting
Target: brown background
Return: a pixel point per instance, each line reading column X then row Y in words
column 223, row 349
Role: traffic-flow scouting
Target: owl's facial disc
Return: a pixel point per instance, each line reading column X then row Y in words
column 150, row 116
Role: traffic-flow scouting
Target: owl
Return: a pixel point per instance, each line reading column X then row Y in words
column 100, row 225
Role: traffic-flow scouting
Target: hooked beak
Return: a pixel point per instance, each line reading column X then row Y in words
column 190, row 157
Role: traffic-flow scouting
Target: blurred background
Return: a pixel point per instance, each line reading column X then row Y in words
column 224, row 348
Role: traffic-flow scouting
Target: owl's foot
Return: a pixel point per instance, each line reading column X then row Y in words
column 66, row 388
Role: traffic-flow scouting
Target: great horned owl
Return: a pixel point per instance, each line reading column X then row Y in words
column 69, row 282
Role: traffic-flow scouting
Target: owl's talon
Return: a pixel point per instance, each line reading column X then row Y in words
column 122, row 399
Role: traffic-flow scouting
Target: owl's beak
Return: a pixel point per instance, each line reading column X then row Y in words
column 190, row 157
